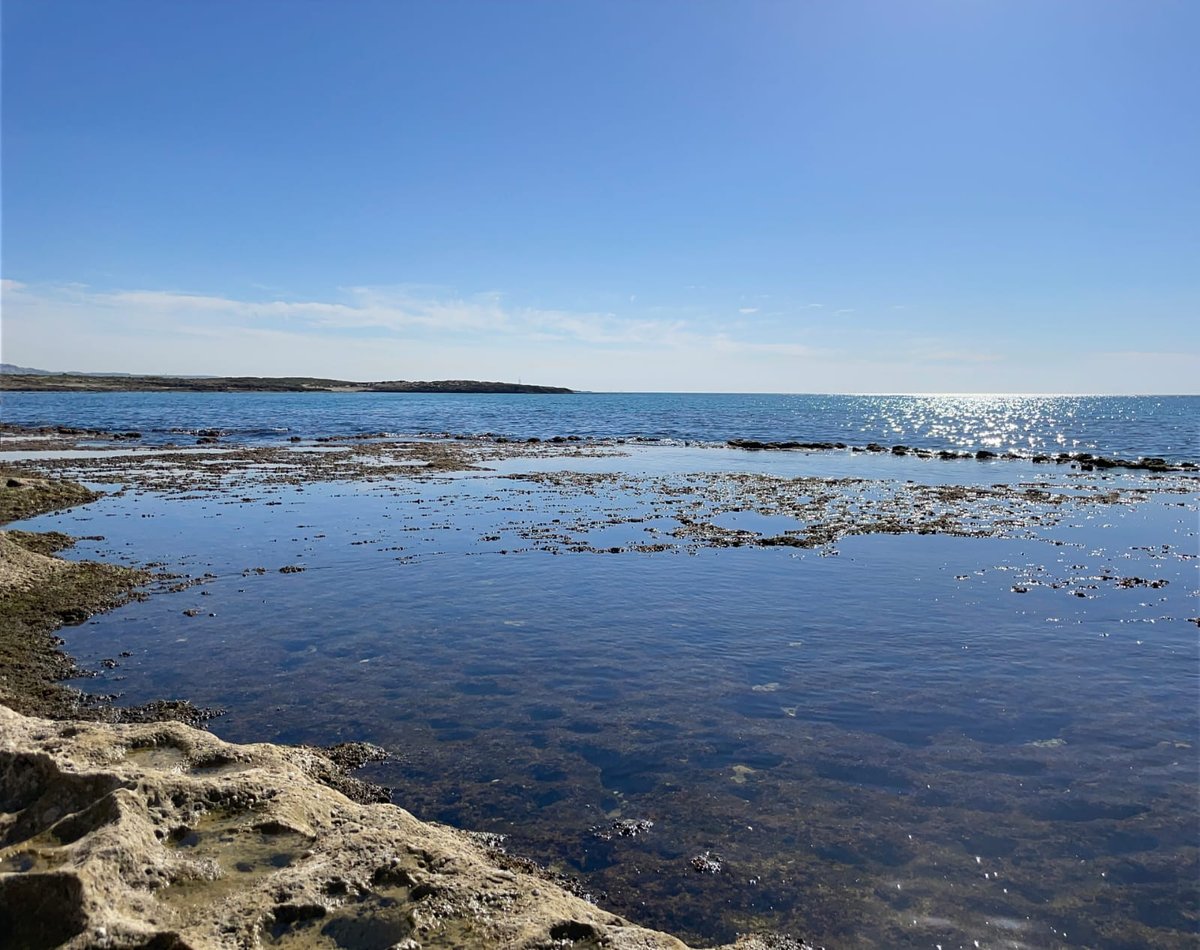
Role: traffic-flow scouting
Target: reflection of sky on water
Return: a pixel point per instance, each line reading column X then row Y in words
column 889, row 747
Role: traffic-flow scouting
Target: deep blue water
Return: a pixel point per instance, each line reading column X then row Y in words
column 1125, row 426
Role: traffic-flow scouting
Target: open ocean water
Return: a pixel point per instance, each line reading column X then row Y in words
column 1132, row 426
column 895, row 740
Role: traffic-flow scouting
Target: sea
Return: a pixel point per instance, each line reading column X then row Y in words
column 896, row 739
column 1131, row 426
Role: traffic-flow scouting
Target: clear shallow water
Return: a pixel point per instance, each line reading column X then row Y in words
column 890, row 747
column 1129, row 426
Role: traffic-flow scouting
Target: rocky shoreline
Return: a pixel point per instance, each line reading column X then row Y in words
column 121, row 828
column 599, row 501
column 1085, row 461
column 162, row 836
column 22, row 437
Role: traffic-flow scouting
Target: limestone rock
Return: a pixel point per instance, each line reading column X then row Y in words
column 163, row 836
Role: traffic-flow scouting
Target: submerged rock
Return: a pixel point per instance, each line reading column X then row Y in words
column 706, row 863
column 622, row 828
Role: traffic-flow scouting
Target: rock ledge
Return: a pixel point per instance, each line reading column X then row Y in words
column 162, row 836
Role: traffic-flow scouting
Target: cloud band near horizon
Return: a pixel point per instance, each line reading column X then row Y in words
column 412, row 332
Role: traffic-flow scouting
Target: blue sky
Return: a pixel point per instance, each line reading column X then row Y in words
column 935, row 195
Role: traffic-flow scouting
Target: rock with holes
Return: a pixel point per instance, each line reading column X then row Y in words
column 163, row 837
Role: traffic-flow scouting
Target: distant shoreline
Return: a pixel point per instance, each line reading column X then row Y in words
column 82, row 382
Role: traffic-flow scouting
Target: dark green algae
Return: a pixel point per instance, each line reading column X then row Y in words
column 64, row 593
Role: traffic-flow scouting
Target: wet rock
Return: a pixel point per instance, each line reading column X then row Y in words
column 706, row 863
column 353, row 755
column 23, row 497
column 784, row 541
column 160, row 710
column 754, row 445
column 771, row 941
column 73, row 616
column 622, row 828
column 749, row 444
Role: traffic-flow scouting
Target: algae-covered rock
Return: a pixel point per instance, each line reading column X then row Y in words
column 38, row 594
column 22, row 496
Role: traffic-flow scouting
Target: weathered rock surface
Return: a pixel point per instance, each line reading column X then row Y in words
column 163, row 836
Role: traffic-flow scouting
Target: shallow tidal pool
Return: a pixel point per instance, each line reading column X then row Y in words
column 887, row 740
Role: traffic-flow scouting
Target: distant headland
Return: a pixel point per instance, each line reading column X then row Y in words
column 19, row 378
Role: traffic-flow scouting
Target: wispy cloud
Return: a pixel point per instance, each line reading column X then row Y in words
column 725, row 344
column 390, row 311
column 423, row 332
column 387, row 312
column 142, row 325
column 956, row 356
column 360, row 308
